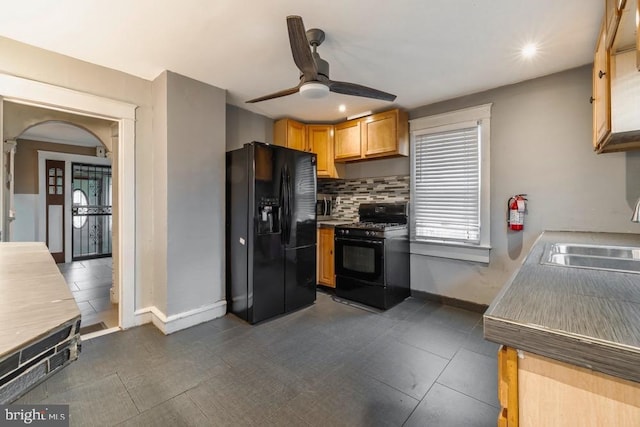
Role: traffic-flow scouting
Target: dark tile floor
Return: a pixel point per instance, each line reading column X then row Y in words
column 331, row 364
column 90, row 282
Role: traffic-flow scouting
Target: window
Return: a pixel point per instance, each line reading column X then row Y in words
column 79, row 202
column 450, row 184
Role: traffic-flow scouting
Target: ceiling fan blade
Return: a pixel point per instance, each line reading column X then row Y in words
column 279, row 94
column 359, row 90
column 300, row 48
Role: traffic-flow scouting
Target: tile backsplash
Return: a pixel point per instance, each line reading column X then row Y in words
column 352, row 192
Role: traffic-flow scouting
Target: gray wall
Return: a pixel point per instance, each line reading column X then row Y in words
column 245, row 126
column 195, row 194
column 540, row 145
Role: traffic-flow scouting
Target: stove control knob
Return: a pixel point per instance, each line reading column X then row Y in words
column 346, row 231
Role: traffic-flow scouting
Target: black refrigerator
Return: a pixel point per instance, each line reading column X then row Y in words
column 271, row 231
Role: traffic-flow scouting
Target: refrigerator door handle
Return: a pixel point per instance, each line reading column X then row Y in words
column 285, row 207
column 282, row 207
column 289, row 196
column 285, row 229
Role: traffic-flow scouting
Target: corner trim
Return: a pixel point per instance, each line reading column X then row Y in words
column 453, row 302
column 179, row 321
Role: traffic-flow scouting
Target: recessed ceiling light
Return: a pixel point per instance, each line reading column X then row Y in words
column 529, row 50
column 342, row 108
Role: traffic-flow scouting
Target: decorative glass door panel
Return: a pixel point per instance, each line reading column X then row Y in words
column 91, row 211
column 55, row 208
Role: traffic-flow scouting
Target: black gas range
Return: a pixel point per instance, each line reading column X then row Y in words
column 371, row 229
column 372, row 256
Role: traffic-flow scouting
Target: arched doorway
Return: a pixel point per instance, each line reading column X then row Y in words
column 71, row 203
column 29, row 92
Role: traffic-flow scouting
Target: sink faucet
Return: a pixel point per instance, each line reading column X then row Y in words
column 636, row 212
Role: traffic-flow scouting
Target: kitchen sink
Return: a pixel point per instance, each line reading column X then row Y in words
column 596, row 250
column 597, row 257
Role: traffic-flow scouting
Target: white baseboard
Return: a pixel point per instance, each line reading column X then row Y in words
column 177, row 322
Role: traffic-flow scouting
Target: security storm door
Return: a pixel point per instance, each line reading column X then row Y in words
column 91, row 211
column 55, row 208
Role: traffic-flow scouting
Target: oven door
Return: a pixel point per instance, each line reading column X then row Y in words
column 360, row 258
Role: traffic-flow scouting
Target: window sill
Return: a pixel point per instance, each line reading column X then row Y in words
column 463, row 252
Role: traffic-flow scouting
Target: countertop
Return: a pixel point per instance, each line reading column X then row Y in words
column 35, row 298
column 589, row 318
column 331, row 223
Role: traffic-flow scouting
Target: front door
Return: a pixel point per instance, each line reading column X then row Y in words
column 91, row 211
column 55, row 208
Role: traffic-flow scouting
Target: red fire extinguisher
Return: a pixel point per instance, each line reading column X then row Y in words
column 515, row 212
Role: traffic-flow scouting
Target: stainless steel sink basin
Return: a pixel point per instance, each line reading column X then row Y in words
column 596, row 250
column 597, row 257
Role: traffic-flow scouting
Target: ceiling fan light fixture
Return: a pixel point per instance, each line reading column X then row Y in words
column 314, row 90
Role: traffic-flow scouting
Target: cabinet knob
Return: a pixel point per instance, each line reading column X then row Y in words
column 591, row 99
column 601, row 74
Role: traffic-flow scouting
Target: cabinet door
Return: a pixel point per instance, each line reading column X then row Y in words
column 296, row 136
column 386, row 134
column 320, row 141
column 612, row 12
column 601, row 92
column 291, row 134
column 380, row 134
column 553, row 393
column 508, row 387
column 325, row 265
column 347, row 140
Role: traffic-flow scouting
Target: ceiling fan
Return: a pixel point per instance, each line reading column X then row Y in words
column 314, row 77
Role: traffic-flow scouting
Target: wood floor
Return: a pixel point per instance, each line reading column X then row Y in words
column 90, row 282
column 331, row 364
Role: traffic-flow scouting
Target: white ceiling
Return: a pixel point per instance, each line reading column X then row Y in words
column 421, row 50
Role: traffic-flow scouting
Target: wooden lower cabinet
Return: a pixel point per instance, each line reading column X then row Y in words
column 552, row 393
column 326, row 274
column 508, row 387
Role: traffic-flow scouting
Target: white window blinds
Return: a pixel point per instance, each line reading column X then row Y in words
column 447, row 185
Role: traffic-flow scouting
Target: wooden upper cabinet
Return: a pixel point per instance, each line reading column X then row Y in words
column 291, row 134
column 348, row 140
column 379, row 135
column 320, row 141
column 385, row 134
column 616, row 80
column 601, row 92
column 612, row 13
